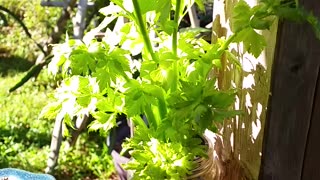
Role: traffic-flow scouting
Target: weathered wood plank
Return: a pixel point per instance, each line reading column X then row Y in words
column 291, row 148
column 293, row 87
column 242, row 136
column 311, row 168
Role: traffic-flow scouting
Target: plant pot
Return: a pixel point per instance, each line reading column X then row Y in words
column 206, row 166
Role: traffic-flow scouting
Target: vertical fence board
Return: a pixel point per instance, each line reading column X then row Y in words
column 293, row 113
column 311, row 168
column 242, row 136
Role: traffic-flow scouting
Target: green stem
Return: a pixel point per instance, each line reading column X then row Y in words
column 143, row 30
column 150, row 116
column 175, row 44
column 162, row 108
column 175, row 30
column 224, row 47
column 174, row 85
column 139, row 121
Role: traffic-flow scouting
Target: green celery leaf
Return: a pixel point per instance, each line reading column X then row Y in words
column 168, row 27
column 51, row 110
column 81, row 63
column 120, row 59
column 105, row 105
column 219, row 99
column 220, row 115
column 136, row 101
column 171, row 134
column 254, row 42
column 104, row 121
column 164, row 14
column 103, row 77
column 261, row 23
column 205, row 121
column 153, row 90
column 68, row 121
column 159, row 75
column 125, row 30
column 115, row 66
column 200, row 5
column 85, row 91
column 148, row 5
column 84, row 101
column 133, row 45
column 289, row 13
column 241, row 15
column 146, row 68
column 199, row 111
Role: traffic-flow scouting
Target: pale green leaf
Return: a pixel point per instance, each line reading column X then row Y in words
column 104, row 121
column 241, row 15
column 51, row 110
column 148, row 5
column 254, row 42
column 105, row 105
column 200, row 5
column 261, row 23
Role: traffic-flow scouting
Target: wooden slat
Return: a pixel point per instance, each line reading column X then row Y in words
column 311, row 168
column 242, row 136
column 291, row 140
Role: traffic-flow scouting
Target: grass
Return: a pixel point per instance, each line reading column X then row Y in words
column 11, row 65
column 25, row 138
column 22, row 133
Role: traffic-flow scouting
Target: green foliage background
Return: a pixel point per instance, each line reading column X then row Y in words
column 24, row 137
column 39, row 21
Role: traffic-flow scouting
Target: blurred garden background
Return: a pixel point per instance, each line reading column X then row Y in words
column 24, row 137
column 254, row 48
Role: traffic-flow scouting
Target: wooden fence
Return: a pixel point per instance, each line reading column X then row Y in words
column 242, row 136
column 287, row 117
column 291, row 148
